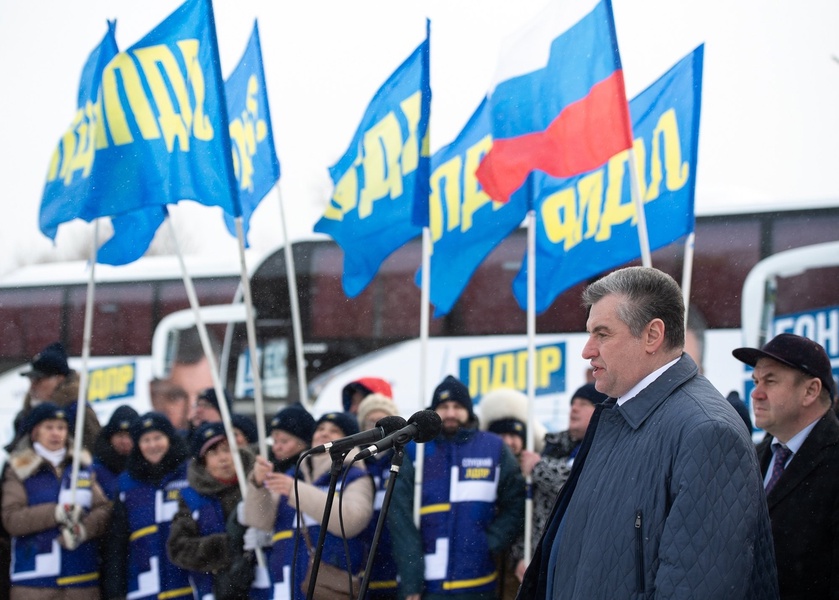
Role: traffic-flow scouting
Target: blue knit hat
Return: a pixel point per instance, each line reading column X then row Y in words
column 246, row 425
column 452, row 390
column 295, row 420
column 152, row 421
column 44, row 412
column 346, row 422
column 590, row 393
column 121, row 420
column 205, row 437
column 50, row 361
column 210, row 396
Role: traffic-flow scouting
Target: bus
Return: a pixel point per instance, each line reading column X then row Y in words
column 482, row 340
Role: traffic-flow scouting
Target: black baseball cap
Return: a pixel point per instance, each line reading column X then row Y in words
column 794, row 351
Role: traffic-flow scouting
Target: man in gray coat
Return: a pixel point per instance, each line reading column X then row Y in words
column 665, row 498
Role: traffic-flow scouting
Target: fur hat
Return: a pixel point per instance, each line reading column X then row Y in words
column 375, row 402
column 50, row 361
column 44, row 412
column 295, row 420
column 152, row 421
column 120, row 420
column 367, row 386
column 205, row 437
column 501, row 407
column 452, row 390
column 346, row 422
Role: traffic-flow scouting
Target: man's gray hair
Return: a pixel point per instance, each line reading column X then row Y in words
column 648, row 294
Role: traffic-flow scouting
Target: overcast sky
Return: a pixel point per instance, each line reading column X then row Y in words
column 770, row 113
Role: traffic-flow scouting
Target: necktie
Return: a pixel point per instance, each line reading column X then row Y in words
column 782, row 454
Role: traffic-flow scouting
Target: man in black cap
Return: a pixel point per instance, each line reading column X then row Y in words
column 472, row 506
column 792, row 397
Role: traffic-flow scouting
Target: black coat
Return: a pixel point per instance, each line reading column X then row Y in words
column 804, row 510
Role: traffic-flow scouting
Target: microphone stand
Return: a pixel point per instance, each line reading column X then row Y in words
column 334, row 472
column 395, row 465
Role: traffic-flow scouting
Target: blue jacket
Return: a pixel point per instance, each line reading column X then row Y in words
column 664, row 500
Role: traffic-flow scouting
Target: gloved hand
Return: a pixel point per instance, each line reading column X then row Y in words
column 256, row 538
column 67, row 514
column 72, row 537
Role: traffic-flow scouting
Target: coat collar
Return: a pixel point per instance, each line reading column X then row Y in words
column 639, row 408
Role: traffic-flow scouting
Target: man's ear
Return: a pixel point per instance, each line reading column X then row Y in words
column 654, row 336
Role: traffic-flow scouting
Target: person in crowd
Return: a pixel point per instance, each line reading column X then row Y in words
column 136, row 563
column 504, row 413
column 291, row 432
column 244, row 428
column 172, row 401
column 799, row 459
column 665, row 496
column 271, row 504
column 206, row 408
column 383, row 582
column 52, row 528
column 356, row 391
column 472, row 506
column 695, row 348
column 112, row 448
column 205, row 537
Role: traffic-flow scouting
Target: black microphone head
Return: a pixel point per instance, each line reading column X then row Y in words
column 428, row 424
column 391, row 424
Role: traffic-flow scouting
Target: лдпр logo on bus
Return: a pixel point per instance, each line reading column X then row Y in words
column 508, row 369
column 113, row 382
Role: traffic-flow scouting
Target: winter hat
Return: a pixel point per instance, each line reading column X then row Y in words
column 44, row 412
column 367, row 386
column 346, row 422
column 452, row 390
column 50, row 361
column 152, row 421
column 120, row 420
column 376, row 402
column 295, row 420
column 246, row 425
column 205, row 437
column 504, row 410
column 590, row 393
column 210, row 396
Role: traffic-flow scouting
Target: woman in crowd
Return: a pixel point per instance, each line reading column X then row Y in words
column 383, row 583
column 205, row 537
column 52, row 556
column 136, row 562
column 112, row 448
column 291, row 432
column 271, row 505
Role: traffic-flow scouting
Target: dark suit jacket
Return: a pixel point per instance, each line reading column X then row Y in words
column 804, row 510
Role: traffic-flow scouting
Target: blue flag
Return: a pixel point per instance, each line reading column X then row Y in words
column 251, row 136
column 383, row 175
column 465, row 223
column 588, row 224
column 160, row 131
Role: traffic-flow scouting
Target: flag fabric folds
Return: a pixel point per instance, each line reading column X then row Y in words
column 559, row 104
column 251, row 136
column 465, row 223
column 158, row 130
column 588, row 224
column 381, row 182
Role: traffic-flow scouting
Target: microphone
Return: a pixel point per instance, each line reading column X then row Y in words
column 423, row 426
column 384, row 426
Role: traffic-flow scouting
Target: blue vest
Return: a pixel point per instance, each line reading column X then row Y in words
column 107, row 480
column 383, row 581
column 460, row 487
column 282, row 552
column 38, row 560
column 209, row 515
column 150, row 511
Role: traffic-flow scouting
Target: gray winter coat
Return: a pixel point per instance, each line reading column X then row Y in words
column 664, row 501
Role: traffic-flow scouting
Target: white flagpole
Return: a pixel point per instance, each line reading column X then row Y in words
column 531, row 373
column 687, row 272
column 81, row 402
column 643, row 237
column 423, row 362
column 211, row 359
column 294, row 303
column 258, row 403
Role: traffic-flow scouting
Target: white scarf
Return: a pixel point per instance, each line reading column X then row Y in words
column 55, row 457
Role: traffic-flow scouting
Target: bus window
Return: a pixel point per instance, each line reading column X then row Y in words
column 30, row 318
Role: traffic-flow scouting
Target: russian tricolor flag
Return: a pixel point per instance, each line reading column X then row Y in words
column 559, row 104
